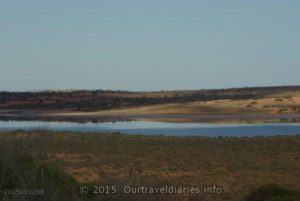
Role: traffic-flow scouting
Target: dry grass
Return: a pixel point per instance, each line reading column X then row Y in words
column 239, row 165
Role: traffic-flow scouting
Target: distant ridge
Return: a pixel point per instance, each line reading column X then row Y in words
column 279, row 87
column 90, row 100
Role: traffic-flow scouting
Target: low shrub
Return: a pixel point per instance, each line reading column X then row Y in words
column 273, row 193
column 24, row 177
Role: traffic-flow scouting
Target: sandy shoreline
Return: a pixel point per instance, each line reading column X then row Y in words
column 93, row 116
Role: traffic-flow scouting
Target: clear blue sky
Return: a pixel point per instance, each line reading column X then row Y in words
column 148, row 45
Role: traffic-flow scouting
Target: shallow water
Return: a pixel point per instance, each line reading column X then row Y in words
column 159, row 128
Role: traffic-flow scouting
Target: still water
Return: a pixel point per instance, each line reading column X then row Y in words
column 159, row 128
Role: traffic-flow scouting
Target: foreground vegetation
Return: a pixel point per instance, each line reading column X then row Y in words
column 60, row 162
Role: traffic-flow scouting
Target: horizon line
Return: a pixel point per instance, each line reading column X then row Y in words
column 138, row 91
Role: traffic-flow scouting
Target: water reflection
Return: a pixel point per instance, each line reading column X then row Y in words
column 159, row 128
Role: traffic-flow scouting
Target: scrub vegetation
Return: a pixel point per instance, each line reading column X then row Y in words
column 61, row 162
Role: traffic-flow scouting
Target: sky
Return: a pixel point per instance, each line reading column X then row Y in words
column 143, row 45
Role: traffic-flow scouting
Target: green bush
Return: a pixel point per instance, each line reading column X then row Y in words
column 273, row 193
column 21, row 170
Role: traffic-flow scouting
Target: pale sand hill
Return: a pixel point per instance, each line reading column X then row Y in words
column 286, row 104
